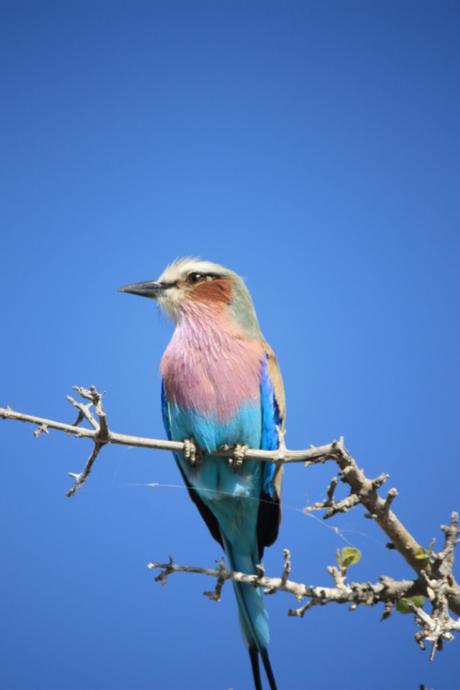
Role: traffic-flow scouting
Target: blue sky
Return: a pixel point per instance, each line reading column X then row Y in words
column 313, row 148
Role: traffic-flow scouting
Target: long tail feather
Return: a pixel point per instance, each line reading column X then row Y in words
column 268, row 669
column 254, row 656
column 253, row 616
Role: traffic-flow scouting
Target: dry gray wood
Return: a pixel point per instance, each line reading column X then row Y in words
column 434, row 571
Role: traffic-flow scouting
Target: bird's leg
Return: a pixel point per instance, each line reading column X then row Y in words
column 191, row 451
column 238, row 455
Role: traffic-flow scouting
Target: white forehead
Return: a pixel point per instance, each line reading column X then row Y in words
column 180, row 268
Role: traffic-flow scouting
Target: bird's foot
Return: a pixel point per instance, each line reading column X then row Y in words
column 238, row 455
column 191, row 451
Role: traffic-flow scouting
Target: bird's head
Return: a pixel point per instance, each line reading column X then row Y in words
column 192, row 286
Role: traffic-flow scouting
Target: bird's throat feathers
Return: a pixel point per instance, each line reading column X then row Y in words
column 211, row 366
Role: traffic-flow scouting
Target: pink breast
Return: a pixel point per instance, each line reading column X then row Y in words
column 210, row 368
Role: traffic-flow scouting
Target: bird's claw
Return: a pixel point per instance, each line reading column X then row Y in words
column 238, row 455
column 191, row 452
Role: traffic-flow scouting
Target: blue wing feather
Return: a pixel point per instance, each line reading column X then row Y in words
column 271, row 419
column 165, row 411
column 205, row 512
column 269, row 510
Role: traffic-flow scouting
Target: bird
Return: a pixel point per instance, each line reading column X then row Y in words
column 222, row 388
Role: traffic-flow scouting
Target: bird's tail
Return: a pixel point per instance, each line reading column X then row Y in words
column 252, row 614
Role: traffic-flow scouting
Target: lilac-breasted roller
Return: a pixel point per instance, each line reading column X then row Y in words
column 222, row 387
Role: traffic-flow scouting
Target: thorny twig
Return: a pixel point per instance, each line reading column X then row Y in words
column 434, row 627
column 364, row 491
column 101, row 435
column 439, row 581
column 313, row 455
column 365, row 593
column 435, row 578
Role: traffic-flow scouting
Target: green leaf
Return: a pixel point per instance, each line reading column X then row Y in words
column 404, row 604
column 422, row 555
column 350, row 556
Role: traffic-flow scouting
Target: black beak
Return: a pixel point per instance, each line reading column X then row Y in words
column 149, row 288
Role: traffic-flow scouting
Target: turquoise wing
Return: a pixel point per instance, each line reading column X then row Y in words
column 272, row 402
column 205, row 512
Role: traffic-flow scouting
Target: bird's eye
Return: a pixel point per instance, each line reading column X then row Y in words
column 195, row 277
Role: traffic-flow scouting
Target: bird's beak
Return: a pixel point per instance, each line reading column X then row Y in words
column 149, row 288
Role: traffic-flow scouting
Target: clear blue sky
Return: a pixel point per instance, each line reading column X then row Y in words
column 314, row 148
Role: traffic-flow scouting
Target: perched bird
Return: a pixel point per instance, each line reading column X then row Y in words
column 221, row 386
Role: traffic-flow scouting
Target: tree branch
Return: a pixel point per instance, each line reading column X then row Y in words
column 354, row 593
column 365, row 491
column 434, row 570
column 284, row 456
column 435, row 628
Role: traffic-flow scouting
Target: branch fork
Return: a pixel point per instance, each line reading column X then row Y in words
column 101, row 434
column 435, row 579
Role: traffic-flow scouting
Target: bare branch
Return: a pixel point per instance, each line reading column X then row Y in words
column 391, row 495
column 84, row 411
column 101, row 431
column 358, row 593
column 439, row 581
column 81, row 477
column 312, row 455
column 333, row 506
column 216, row 594
column 42, row 429
column 434, row 628
column 433, row 568
column 365, row 492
